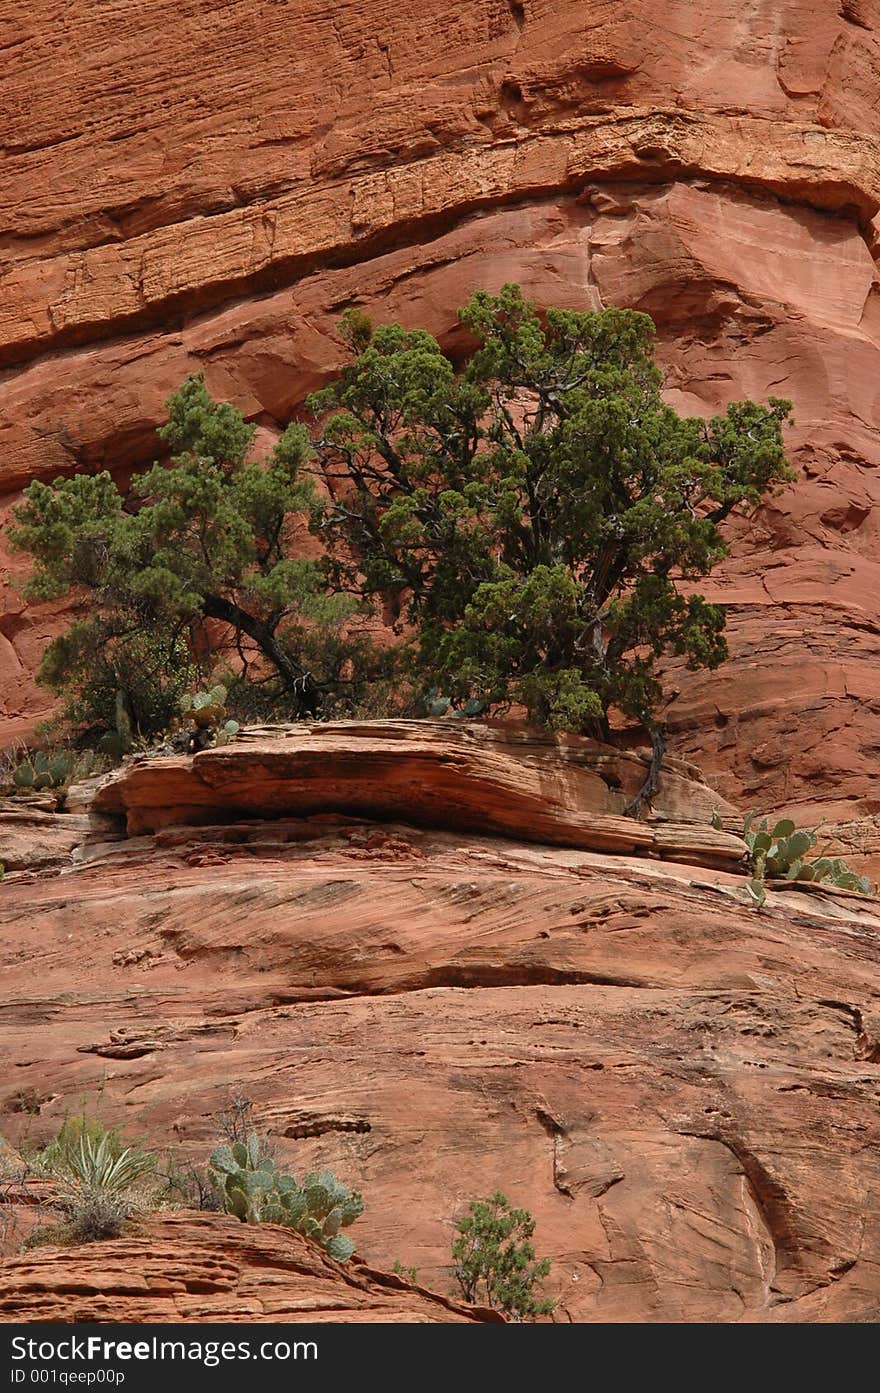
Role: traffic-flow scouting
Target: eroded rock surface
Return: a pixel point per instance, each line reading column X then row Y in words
column 562, row 790
column 682, row 1090
column 209, row 1267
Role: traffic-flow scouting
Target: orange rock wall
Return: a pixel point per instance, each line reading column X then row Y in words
column 206, row 187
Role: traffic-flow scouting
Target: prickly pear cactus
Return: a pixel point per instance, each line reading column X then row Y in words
column 41, row 770
column 206, row 711
column 257, row 1193
column 23, row 775
column 437, row 705
column 781, row 854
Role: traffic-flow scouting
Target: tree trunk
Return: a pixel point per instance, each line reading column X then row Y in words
column 649, row 787
column 300, row 683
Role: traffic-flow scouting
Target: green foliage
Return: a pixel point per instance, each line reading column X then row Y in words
column 494, row 1260
column 258, row 1193
column 205, row 708
column 101, row 1165
column 99, row 1177
column 24, row 771
column 532, row 521
column 433, row 704
column 781, row 853
column 83, row 1149
column 206, row 537
column 121, row 686
column 67, row 1140
column 43, row 769
column 533, row 514
column 411, row 1274
column 205, row 712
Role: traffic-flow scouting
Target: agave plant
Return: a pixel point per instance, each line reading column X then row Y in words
column 98, row 1178
column 89, row 1154
column 257, row 1193
column 97, row 1164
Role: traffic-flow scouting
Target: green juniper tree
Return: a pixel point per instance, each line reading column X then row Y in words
column 528, row 518
column 206, row 537
column 531, row 516
column 494, row 1260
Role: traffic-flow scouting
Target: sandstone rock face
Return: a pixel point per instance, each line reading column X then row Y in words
column 272, row 163
column 681, row 1089
column 208, row 1267
column 31, row 836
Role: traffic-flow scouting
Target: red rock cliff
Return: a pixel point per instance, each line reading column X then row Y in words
column 683, row 1091
column 208, row 186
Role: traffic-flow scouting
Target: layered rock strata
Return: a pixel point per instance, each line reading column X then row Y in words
column 183, row 1268
column 681, row 1089
column 719, row 172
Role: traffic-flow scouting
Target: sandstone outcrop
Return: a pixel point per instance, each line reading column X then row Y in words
column 560, row 790
column 32, row 837
column 682, row 1090
column 186, row 1267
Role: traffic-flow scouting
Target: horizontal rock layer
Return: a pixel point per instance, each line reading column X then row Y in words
column 473, row 777
column 77, row 296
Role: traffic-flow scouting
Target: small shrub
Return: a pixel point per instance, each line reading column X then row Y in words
column 189, row 1187
column 118, row 690
column 410, row 1274
column 258, row 1193
column 94, row 1214
column 494, row 1261
column 236, row 1123
column 13, row 1166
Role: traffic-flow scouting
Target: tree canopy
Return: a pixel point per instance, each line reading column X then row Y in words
column 536, row 512
column 207, row 536
column 534, row 516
